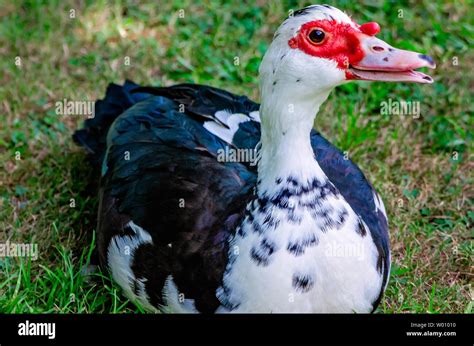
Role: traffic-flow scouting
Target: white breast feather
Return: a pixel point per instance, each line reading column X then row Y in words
column 343, row 266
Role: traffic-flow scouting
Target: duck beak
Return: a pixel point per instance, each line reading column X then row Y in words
column 382, row 62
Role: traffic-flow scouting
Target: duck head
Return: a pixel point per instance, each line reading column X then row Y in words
column 320, row 47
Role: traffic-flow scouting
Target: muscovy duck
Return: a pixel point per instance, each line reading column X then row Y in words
column 302, row 231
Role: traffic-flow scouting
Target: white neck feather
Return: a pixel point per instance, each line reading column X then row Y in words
column 293, row 85
column 286, row 147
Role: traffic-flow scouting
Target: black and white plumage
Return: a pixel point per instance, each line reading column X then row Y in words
column 183, row 231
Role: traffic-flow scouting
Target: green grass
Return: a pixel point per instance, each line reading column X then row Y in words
column 421, row 167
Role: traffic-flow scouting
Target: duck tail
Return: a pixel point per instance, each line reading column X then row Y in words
column 93, row 136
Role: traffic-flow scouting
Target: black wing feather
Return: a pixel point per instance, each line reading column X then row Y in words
column 173, row 187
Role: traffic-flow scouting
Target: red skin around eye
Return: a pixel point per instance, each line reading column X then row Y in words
column 341, row 42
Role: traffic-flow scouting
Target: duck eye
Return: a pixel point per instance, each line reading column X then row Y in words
column 316, row 36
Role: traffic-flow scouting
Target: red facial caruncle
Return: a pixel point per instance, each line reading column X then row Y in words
column 370, row 29
column 341, row 41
